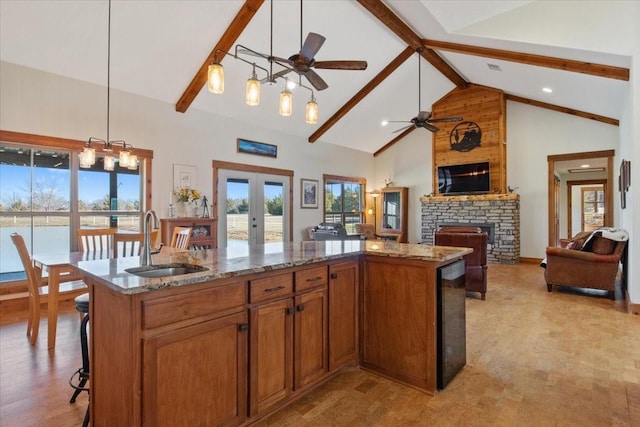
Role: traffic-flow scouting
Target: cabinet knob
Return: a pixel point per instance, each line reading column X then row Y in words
column 334, row 275
column 300, row 307
column 243, row 327
column 290, row 310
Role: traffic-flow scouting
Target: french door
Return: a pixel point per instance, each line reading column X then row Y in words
column 253, row 208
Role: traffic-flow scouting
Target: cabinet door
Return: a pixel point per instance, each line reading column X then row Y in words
column 310, row 329
column 343, row 314
column 207, row 356
column 271, row 359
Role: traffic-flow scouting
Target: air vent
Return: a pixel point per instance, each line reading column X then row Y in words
column 494, row 67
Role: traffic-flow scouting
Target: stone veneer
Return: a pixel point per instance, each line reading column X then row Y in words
column 498, row 211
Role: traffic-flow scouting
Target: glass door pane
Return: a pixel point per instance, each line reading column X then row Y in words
column 237, row 231
column 273, row 230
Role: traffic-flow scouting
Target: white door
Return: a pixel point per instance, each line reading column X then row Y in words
column 253, row 208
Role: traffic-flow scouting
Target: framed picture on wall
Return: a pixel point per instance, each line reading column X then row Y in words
column 258, row 148
column 309, row 193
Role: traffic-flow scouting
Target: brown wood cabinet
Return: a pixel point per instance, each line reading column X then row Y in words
column 203, row 233
column 343, row 314
column 288, row 337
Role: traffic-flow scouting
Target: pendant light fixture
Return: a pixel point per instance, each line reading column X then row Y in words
column 286, row 101
column 215, row 77
column 311, row 113
column 252, row 93
column 126, row 159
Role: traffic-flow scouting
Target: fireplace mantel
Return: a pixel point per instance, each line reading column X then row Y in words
column 470, row 197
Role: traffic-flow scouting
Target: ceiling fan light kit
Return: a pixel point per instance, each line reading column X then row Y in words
column 126, row 158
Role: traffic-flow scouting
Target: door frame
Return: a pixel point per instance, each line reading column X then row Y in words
column 570, row 185
column 241, row 167
column 551, row 160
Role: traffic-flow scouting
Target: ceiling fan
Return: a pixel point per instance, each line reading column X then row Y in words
column 423, row 119
column 304, row 61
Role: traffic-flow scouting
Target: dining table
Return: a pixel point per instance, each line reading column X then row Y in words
column 59, row 270
column 58, row 265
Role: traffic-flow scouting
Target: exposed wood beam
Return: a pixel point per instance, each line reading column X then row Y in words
column 394, row 140
column 599, row 70
column 386, row 71
column 583, row 114
column 237, row 26
column 402, row 30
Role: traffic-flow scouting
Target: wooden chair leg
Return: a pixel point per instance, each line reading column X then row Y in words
column 549, row 287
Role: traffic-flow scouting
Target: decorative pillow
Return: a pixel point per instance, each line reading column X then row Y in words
column 602, row 245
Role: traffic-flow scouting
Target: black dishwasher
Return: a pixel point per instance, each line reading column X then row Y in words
column 452, row 349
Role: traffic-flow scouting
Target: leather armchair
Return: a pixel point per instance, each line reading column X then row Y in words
column 476, row 262
column 596, row 267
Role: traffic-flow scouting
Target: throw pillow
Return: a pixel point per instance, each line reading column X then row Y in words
column 578, row 240
column 602, row 245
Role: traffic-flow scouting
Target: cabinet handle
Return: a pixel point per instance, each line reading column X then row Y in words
column 277, row 288
column 300, row 307
column 290, row 310
column 243, row 327
column 334, row 275
column 314, row 279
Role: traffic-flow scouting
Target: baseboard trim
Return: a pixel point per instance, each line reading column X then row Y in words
column 526, row 260
column 632, row 308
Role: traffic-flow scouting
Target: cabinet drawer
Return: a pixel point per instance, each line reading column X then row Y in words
column 311, row 278
column 271, row 287
column 163, row 311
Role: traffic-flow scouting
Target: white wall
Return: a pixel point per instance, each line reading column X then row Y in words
column 46, row 104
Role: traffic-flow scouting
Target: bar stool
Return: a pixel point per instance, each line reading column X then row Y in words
column 82, row 305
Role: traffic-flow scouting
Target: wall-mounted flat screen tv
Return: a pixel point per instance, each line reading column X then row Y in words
column 471, row 178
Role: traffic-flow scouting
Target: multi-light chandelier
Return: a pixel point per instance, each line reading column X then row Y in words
column 215, row 82
column 126, row 158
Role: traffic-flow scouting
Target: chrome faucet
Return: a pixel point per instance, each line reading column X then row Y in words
column 145, row 258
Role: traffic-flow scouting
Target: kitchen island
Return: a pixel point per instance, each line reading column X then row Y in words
column 258, row 328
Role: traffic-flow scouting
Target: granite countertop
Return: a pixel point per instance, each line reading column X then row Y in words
column 237, row 261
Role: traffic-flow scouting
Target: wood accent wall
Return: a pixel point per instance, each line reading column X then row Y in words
column 487, row 108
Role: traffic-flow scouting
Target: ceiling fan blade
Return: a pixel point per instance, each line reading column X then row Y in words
column 446, row 119
column 430, row 127
column 398, row 121
column 315, row 80
column 423, row 116
column 252, row 53
column 312, row 45
column 341, row 65
column 402, row 128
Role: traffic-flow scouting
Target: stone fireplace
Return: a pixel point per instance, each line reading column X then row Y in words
column 497, row 214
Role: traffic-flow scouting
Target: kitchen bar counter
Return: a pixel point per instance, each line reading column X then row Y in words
column 237, row 261
column 259, row 328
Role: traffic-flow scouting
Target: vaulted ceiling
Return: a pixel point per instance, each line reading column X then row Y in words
column 159, row 49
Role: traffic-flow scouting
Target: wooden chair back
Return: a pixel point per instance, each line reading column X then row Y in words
column 95, row 239
column 37, row 288
column 181, row 237
column 130, row 244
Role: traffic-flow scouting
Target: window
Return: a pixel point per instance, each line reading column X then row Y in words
column 344, row 201
column 45, row 196
column 592, row 207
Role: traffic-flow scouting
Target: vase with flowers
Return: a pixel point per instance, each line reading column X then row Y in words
column 187, row 199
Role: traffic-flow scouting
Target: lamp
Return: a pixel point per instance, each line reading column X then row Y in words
column 215, row 77
column 311, row 114
column 126, row 158
column 252, row 93
column 286, row 102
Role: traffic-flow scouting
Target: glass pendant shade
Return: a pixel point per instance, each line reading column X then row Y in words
column 215, row 78
column 124, row 158
column 87, row 157
column 311, row 114
column 286, row 103
column 109, row 163
column 133, row 162
column 252, row 94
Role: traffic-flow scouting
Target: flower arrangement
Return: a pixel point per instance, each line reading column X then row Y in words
column 187, row 195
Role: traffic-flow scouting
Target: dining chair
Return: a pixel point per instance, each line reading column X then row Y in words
column 181, row 237
column 95, row 239
column 37, row 288
column 130, row 244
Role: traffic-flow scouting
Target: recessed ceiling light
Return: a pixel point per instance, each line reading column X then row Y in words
column 291, row 84
column 547, row 90
column 585, row 166
column 494, row 67
column 384, row 123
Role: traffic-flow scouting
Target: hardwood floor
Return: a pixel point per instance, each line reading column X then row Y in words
column 533, row 359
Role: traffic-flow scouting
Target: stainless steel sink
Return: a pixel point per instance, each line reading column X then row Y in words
column 165, row 270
